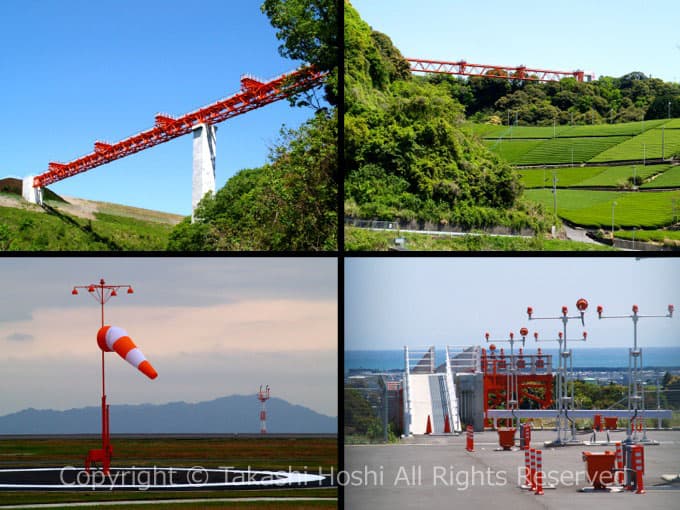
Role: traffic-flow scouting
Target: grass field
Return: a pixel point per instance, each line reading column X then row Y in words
column 594, row 208
column 357, row 239
column 267, row 452
column 27, row 228
column 669, row 179
column 668, row 237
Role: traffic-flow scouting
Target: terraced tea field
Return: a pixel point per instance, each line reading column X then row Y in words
column 646, row 145
column 545, row 145
column 539, row 148
column 647, row 210
column 594, row 176
column 668, row 179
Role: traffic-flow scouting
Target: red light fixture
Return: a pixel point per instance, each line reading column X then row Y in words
column 90, row 288
column 512, row 335
column 536, row 336
column 486, row 335
column 560, row 335
column 582, row 305
column 564, row 310
column 635, row 308
column 114, row 293
column 130, row 291
column 585, row 335
column 670, row 309
column 530, row 311
column 524, row 331
column 74, row 292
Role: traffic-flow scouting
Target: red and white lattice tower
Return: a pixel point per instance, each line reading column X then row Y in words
column 263, row 396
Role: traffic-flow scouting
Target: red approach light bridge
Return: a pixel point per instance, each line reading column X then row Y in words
column 523, row 73
column 254, row 94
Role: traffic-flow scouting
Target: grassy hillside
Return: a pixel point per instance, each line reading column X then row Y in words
column 81, row 225
column 357, row 239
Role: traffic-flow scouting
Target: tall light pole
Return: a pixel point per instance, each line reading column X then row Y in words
column 613, row 205
column 102, row 293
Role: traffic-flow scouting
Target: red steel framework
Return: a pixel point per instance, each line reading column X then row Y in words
column 534, row 378
column 463, row 68
column 253, row 94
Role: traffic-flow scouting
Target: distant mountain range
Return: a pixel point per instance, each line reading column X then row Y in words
column 233, row 414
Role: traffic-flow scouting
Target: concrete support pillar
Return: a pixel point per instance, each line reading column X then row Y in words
column 204, row 164
column 29, row 193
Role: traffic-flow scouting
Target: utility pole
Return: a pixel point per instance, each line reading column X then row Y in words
column 662, row 142
column 554, row 191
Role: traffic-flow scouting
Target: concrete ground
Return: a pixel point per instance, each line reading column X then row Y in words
column 433, row 472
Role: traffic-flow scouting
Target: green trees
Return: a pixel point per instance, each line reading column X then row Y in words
column 406, row 154
column 308, row 29
column 291, row 202
column 631, row 97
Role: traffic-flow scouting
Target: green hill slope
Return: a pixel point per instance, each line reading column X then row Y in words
column 81, row 225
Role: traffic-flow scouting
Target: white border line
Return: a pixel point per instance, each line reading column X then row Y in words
column 283, row 478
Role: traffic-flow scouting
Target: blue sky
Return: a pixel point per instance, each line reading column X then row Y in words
column 607, row 37
column 76, row 71
column 392, row 302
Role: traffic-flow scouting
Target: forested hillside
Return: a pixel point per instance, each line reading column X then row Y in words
column 407, row 153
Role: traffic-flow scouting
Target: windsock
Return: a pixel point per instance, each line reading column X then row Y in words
column 113, row 338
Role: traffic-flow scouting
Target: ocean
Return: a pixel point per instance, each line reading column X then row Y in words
column 606, row 357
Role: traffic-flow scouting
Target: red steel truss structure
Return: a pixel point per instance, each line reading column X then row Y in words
column 253, row 94
column 463, row 68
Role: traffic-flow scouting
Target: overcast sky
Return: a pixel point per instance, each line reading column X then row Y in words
column 392, row 302
column 210, row 326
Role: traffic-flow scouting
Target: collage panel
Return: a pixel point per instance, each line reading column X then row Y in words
column 528, row 382
column 488, row 126
column 202, row 382
column 167, row 126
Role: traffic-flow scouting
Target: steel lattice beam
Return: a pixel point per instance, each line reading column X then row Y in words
column 253, row 94
column 463, row 68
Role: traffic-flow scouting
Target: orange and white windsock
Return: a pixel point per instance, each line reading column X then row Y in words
column 113, row 338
